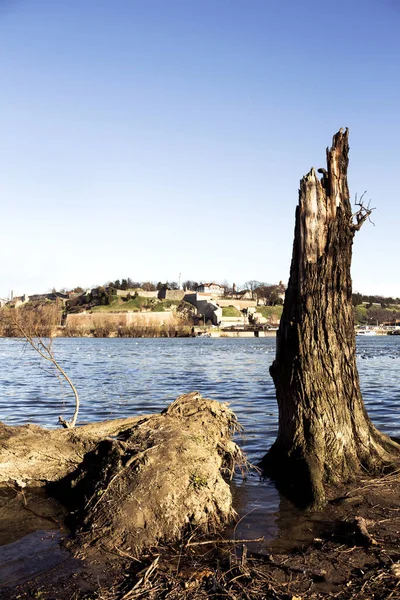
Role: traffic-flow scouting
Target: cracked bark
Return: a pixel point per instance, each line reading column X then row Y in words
column 325, row 435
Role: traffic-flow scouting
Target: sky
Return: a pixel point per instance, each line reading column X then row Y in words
column 152, row 138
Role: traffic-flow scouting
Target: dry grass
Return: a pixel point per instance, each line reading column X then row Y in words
column 127, row 325
column 38, row 320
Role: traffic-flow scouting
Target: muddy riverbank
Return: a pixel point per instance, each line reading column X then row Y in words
column 350, row 550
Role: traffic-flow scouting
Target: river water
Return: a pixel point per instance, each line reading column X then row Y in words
column 128, row 377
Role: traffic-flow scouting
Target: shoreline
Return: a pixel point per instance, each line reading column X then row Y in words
column 115, row 335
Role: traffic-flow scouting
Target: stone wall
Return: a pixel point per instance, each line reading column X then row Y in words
column 171, row 294
column 141, row 293
column 239, row 304
column 89, row 321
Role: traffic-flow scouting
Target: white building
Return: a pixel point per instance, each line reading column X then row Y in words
column 214, row 289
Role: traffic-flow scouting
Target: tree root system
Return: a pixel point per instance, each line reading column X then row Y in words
column 132, row 483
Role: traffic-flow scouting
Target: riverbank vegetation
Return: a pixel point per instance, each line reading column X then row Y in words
column 51, row 319
column 105, row 325
column 36, row 318
column 365, row 313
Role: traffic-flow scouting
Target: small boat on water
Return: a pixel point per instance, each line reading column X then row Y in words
column 366, row 331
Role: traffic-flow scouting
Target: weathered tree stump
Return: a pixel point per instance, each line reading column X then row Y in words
column 325, row 435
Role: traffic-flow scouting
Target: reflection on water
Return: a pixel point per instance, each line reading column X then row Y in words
column 124, row 377
column 32, row 555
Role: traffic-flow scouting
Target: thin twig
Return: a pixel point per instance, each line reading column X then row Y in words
column 232, row 541
column 46, row 352
column 362, row 214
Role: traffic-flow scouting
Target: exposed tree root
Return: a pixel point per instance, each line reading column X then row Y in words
column 133, row 482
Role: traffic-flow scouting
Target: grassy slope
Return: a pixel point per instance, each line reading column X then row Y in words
column 270, row 311
column 364, row 315
column 136, row 304
column 230, row 311
column 360, row 314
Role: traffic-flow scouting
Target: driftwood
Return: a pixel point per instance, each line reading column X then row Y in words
column 133, row 482
column 361, row 532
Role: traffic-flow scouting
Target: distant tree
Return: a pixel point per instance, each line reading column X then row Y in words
column 190, row 285
column 124, row 284
column 117, row 284
column 131, row 284
column 262, row 293
column 148, row 286
column 228, row 291
column 274, row 295
column 357, row 299
column 252, row 285
column 72, row 304
column 173, row 285
column 269, row 294
column 103, row 296
column 78, row 290
column 378, row 315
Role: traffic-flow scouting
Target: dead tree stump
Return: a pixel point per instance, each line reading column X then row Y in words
column 325, row 435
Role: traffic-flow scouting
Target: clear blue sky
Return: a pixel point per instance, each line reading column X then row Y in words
column 144, row 138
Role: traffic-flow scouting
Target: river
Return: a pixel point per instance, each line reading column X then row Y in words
column 127, row 377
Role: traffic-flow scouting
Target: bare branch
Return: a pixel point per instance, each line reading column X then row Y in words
column 45, row 350
column 362, row 214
